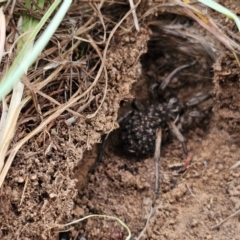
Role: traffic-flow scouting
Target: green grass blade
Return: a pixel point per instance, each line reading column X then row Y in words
column 17, row 69
column 218, row 7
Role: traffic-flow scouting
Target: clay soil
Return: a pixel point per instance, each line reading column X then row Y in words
column 43, row 190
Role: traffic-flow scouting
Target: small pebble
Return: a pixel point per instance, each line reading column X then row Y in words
column 220, row 166
column 172, row 222
column 194, row 223
column 20, row 179
column 209, row 237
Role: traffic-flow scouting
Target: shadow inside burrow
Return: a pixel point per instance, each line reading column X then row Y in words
column 170, row 46
column 174, row 41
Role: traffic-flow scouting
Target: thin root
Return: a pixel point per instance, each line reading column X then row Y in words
column 224, row 220
column 157, row 155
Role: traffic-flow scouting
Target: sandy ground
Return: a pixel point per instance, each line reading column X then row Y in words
column 42, row 190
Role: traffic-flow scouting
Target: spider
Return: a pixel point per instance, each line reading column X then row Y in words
column 143, row 129
column 138, row 126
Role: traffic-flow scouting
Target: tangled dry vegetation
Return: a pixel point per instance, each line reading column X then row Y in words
column 71, row 98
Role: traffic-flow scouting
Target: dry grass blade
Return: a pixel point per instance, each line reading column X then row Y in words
column 135, row 19
column 106, row 75
column 141, row 235
column 3, row 116
column 15, row 149
column 157, row 156
column 2, row 33
column 11, row 120
column 60, row 109
column 223, row 38
column 226, row 219
column 33, row 90
column 105, row 53
column 190, row 11
column 185, row 9
column 101, row 216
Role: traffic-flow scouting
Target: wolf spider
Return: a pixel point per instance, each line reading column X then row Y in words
column 143, row 129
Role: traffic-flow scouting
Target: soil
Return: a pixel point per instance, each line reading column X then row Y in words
column 47, row 188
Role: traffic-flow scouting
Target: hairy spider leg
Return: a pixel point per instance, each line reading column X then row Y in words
column 161, row 87
column 169, row 78
column 199, row 98
column 179, row 136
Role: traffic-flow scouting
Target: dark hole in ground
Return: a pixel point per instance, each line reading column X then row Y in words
column 169, row 47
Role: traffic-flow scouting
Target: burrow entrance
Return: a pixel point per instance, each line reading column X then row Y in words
column 121, row 184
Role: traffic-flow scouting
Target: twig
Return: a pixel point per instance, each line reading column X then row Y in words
column 235, row 165
column 157, row 155
column 224, row 220
column 189, row 189
column 146, row 225
column 23, row 193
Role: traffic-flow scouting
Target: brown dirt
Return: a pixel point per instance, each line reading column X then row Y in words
column 41, row 189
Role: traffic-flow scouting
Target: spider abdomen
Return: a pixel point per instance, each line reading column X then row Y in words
column 138, row 131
